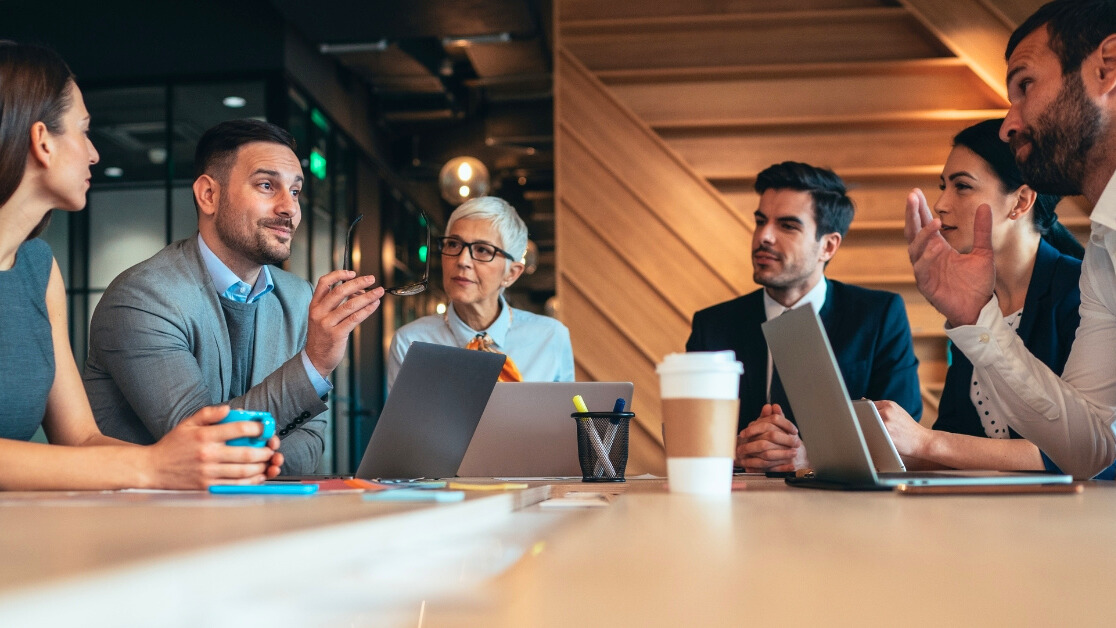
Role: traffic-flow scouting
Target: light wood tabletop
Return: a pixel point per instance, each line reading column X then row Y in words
column 766, row 553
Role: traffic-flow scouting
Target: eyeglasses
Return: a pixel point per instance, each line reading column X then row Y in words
column 480, row 251
column 405, row 290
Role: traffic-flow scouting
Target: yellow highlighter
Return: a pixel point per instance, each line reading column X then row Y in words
column 579, row 404
column 594, row 437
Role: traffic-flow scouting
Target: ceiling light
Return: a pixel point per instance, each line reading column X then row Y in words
column 463, row 178
column 114, row 172
column 234, row 102
column 464, row 171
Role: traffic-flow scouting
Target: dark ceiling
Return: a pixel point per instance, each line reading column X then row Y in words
column 454, row 77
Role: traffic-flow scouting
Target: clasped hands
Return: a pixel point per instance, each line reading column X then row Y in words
column 770, row 443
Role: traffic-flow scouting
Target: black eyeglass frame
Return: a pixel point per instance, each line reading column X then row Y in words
column 409, row 289
column 469, row 245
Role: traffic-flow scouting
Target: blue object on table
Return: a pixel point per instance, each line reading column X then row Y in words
column 287, row 488
column 414, row 495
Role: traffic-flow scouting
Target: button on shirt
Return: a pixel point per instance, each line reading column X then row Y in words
column 815, row 298
column 1069, row 418
column 231, row 287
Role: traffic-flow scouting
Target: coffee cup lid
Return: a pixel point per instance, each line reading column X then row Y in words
column 720, row 361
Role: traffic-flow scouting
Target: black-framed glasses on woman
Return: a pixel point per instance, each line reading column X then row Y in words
column 405, row 290
column 480, row 251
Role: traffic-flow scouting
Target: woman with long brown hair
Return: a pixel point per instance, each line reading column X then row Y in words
column 45, row 159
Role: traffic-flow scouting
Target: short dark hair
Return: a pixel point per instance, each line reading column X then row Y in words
column 833, row 209
column 1076, row 29
column 218, row 146
column 34, row 87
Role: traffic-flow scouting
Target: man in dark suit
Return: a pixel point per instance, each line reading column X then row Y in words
column 804, row 213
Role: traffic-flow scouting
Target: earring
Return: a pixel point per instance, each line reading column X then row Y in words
column 1012, row 215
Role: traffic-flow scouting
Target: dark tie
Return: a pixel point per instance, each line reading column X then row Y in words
column 779, row 396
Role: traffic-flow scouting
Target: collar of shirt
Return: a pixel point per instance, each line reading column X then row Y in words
column 815, row 297
column 228, row 284
column 1104, row 212
column 497, row 331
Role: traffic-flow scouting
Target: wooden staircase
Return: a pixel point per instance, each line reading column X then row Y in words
column 665, row 110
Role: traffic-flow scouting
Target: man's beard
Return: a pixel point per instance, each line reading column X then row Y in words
column 1060, row 141
column 254, row 245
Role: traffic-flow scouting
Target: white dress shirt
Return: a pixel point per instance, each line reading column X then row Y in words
column 1070, row 418
column 772, row 308
column 539, row 345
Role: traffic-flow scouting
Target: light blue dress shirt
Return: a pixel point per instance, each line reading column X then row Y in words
column 539, row 345
column 231, row 287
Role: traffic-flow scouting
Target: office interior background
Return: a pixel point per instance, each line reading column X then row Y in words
column 626, row 133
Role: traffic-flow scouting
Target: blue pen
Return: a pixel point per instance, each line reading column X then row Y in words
column 610, row 434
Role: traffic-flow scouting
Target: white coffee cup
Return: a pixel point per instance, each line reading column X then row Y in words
column 700, row 409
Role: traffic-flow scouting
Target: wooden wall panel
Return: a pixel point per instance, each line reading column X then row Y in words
column 635, row 306
column 642, row 163
column 745, row 40
column 735, row 155
column 648, row 246
column 580, row 10
column 848, row 92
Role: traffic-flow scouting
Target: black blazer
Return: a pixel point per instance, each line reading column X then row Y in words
column 1047, row 328
column 868, row 330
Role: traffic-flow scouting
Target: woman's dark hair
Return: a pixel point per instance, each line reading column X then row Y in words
column 983, row 138
column 34, row 87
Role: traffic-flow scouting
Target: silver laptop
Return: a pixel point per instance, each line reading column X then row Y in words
column 526, row 429
column 881, row 449
column 835, row 442
column 431, row 413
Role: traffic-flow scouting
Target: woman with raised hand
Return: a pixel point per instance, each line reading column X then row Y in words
column 1037, row 270
column 45, row 159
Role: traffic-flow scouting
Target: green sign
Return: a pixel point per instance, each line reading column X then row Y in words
column 317, row 164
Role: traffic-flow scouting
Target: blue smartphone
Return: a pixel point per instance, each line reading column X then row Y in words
column 263, row 489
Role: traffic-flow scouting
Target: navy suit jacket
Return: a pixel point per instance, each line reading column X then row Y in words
column 868, row 330
column 1047, row 329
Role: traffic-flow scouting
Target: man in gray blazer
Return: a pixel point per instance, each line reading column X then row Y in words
column 211, row 320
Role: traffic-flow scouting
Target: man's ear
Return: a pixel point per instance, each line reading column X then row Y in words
column 42, row 145
column 207, row 193
column 1104, row 61
column 830, row 242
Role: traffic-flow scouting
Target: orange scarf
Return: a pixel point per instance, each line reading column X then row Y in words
column 482, row 342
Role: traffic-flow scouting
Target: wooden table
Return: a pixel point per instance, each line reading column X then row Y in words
column 767, row 553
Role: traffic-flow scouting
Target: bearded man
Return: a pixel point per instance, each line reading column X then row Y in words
column 211, row 320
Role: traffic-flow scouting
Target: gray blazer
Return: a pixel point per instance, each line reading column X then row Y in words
column 159, row 351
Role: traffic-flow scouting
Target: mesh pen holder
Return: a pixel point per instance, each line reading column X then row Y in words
column 602, row 445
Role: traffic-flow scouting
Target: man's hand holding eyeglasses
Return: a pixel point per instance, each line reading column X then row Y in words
column 334, row 313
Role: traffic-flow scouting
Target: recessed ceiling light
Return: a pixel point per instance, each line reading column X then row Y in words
column 114, row 172
column 234, row 102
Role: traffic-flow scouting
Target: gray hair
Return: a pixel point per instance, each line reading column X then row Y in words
column 512, row 229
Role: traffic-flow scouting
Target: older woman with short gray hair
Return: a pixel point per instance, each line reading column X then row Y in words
column 482, row 255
